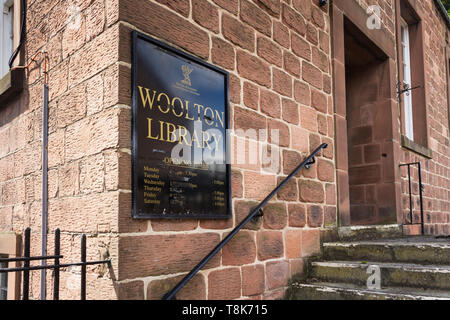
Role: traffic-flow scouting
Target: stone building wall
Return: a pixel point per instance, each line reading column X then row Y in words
column 279, row 57
column 85, row 146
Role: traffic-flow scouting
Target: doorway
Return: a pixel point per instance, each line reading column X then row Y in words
column 366, row 113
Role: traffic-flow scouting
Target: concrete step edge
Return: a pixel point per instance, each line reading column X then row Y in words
column 383, row 265
column 415, row 294
column 421, row 245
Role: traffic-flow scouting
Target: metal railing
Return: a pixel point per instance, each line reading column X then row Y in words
column 255, row 212
column 411, row 219
column 26, row 259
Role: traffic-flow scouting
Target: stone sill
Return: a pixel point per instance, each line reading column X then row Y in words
column 417, row 148
column 11, row 84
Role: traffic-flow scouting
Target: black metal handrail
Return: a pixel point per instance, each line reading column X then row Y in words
column 419, row 167
column 307, row 162
column 56, row 266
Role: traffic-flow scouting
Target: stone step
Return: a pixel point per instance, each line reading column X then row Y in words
column 334, row 291
column 418, row 250
column 392, row 274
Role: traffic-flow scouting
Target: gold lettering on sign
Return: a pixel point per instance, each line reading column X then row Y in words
column 172, row 133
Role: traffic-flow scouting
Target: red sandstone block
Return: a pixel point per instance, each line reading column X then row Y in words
column 302, row 93
column 247, row 119
column 254, row 69
column 296, row 266
column 275, row 216
column 282, row 82
column 291, row 63
column 125, row 222
column 322, row 124
column 224, row 284
column 256, row 17
column 314, row 143
column 301, row 47
column 195, row 289
column 319, row 101
column 242, row 209
column 237, row 184
column 230, row 5
column 270, row 103
column 330, row 217
column 293, row 239
column 318, row 17
column 325, row 170
column 312, row 35
column 131, row 290
column 289, row 192
column 315, row 216
column 320, row 60
column 71, row 106
column 311, row 191
column 69, row 182
column 412, row 230
column 291, row 160
column 297, row 215
column 222, row 53
column 257, row 186
column 173, row 225
column 238, row 33
column 330, row 190
column 253, row 280
column 58, row 80
column 116, row 165
column 294, row 20
column 147, row 255
column 273, row 7
column 324, row 40
column 327, row 89
column 206, row 15
column 304, row 7
column 251, row 95
column 166, row 25
column 281, row 34
column 7, row 167
column 13, row 192
column 284, row 137
column 269, row 51
column 92, row 174
column 95, row 56
column 308, row 119
column 290, row 111
column 235, row 89
column 240, row 250
column 270, row 245
column 277, row 294
column 180, row 6
column 216, row 224
column 112, row 12
column 95, row 19
column 310, row 242
column 312, row 75
column 277, row 274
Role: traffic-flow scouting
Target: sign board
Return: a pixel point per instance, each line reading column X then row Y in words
column 180, row 118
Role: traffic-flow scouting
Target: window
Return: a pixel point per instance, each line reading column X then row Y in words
column 3, row 281
column 411, row 57
column 407, row 96
column 6, row 34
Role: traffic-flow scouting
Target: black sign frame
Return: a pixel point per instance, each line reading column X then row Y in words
column 136, row 36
